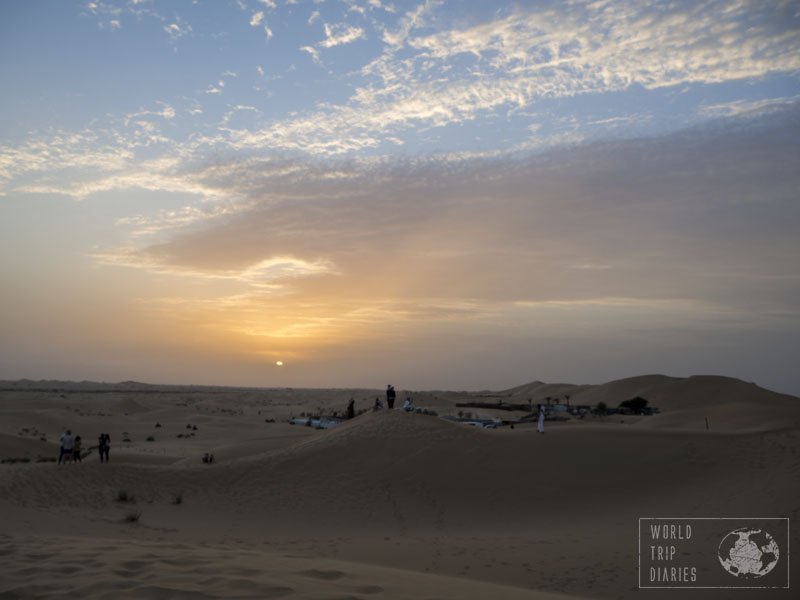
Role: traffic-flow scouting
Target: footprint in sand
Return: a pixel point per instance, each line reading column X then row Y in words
column 369, row 589
column 324, row 575
column 135, row 565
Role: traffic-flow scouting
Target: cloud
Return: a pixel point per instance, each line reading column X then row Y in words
column 605, row 225
column 747, row 107
column 501, row 68
column 335, row 35
column 313, row 52
column 513, row 62
column 431, row 77
column 63, row 151
column 111, row 14
column 256, row 19
column 167, row 112
column 645, row 249
column 176, row 30
column 340, row 34
column 263, row 274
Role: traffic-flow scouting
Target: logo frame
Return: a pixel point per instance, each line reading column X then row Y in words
column 785, row 555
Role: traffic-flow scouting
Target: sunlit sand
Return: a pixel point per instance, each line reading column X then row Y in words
column 387, row 505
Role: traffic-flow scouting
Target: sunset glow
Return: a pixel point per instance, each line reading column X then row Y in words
column 442, row 194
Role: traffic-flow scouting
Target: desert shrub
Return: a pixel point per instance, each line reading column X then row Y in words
column 601, row 407
column 124, row 496
column 150, row 438
column 158, row 425
column 177, row 498
column 132, row 517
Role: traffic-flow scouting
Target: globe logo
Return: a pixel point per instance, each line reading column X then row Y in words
column 748, row 553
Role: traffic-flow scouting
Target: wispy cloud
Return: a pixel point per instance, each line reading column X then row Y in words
column 611, row 245
column 340, row 34
column 177, row 30
column 312, row 52
column 529, row 56
column 465, row 230
column 747, row 107
column 502, row 67
column 166, row 112
column 256, row 19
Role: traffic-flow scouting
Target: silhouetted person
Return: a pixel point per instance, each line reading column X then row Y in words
column 541, row 419
column 76, row 449
column 351, row 409
column 378, row 404
column 103, row 446
column 390, row 396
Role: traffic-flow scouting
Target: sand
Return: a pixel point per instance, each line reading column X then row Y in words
column 387, row 505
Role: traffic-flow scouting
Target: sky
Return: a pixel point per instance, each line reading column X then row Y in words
column 437, row 194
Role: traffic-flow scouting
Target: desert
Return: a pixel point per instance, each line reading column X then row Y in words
column 388, row 504
column 564, row 232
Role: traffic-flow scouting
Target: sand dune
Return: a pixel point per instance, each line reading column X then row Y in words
column 79, row 567
column 390, row 504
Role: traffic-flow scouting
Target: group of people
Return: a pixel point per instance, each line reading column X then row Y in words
column 408, row 406
column 391, row 396
column 72, row 447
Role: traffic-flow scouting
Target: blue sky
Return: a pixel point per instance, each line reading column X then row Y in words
column 492, row 192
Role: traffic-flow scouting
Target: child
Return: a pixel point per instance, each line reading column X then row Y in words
column 76, row 449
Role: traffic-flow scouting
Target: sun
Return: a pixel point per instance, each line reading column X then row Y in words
column 279, row 363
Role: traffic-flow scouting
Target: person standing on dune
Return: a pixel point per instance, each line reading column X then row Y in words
column 67, row 445
column 390, row 396
column 76, row 449
column 103, row 443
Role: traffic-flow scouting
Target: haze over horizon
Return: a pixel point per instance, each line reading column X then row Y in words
column 434, row 194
